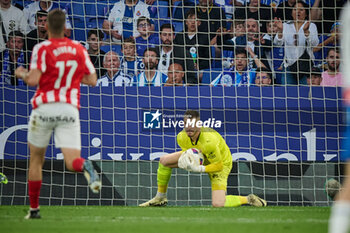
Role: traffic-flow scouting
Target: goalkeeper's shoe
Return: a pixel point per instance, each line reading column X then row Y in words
column 33, row 214
column 156, row 201
column 92, row 177
column 256, row 201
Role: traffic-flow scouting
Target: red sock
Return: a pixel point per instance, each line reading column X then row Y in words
column 34, row 193
column 78, row 164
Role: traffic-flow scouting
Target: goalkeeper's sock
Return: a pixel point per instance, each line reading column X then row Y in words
column 78, row 164
column 339, row 219
column 163, row 177
column 161, row 195
column 34, row 193
column 235, row 201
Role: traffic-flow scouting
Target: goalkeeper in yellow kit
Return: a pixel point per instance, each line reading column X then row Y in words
column 217, row 163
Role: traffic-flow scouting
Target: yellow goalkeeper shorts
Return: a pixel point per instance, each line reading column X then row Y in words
column 219, row 179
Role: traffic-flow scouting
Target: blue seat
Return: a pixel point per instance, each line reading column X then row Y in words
column 115, row 48
column 178, row 25
column 210, row 74
column 96, row 9
column 162, row 9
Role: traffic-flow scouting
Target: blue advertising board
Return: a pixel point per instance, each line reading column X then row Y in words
column 141, row 123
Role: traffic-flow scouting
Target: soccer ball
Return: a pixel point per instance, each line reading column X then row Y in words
column 196, row 155
column 332, row 188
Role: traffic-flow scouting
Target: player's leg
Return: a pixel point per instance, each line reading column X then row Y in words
column 219, row 186
column 39, row 134
column 37, row 159
column 75, row 163
column 166, row 163
column 340, row 213
column 219, row 197
column 68, row 138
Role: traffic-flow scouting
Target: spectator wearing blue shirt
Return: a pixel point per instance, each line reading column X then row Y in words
column 130, row 63
column 239, row 74
column 151, row 76
column 147, row 38
column 122, row 20
column 30, row 13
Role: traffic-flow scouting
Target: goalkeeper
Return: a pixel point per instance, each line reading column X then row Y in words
column 217, row 163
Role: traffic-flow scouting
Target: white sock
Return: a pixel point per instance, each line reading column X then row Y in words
column 161, row 195
column 340, row 217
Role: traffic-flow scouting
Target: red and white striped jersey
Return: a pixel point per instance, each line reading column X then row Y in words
column 63, row 63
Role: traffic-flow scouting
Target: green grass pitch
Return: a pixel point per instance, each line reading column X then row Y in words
column 104, row 219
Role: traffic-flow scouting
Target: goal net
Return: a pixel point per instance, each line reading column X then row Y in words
column 285, row 140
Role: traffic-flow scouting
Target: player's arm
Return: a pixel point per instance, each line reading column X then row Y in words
column 216, row 164
column 90, row 79
column 212, row 151
column 31, row 77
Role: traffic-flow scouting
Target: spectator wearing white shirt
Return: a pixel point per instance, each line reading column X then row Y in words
column 299, row 37
column 46, row 5
column 12, row 20
column 122, row 20
column 114, row 76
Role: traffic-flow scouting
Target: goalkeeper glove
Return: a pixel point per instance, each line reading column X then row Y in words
column 184, row 161
column 196, row 168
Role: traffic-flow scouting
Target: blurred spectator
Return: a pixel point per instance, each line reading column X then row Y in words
column 332, row 77
column 255, row 10
column 228, row 6
column 170, row 53
column 122, row 20
column 212, row 18
column 130, row 63
column 284, row 10
column 176, row 75
column 114, row 76
column 94, row 40
column 196, row 43
column 229, row 42
column 239, row 74
column 298, row 37
column 12, row 57
column 256, row 42
column 275, row 56
column 166, row 49
column 314, row 79
column 40, row 33
column 46, row 5
column 12, row 19
column 263, row 78
column 147, row 37
column 325, row 43
column 151, row 76
column 330, row 14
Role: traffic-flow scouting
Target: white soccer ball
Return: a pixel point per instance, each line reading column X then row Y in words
column 332, row 187
column 195, row 156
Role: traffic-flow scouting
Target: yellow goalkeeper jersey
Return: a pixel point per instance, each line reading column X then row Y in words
column 210, row 143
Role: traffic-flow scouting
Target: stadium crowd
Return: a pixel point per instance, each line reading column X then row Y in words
column 190, row 42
